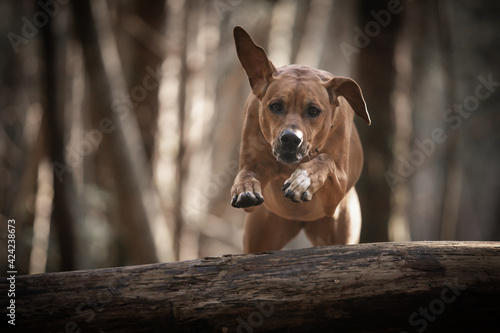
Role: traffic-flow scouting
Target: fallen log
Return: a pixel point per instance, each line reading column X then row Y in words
column 386, row 287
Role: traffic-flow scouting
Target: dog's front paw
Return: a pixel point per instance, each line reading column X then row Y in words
column 246, row 194
column 298, row 187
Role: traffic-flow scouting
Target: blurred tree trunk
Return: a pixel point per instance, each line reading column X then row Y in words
column 342, row 14
column 143, row 53
column 182, row 157
column 312, row 44
column 145, row 24
column 453, row 168
column 432, row 80
column 64, row 211
column 399, row 229
column 475, row 43
column 19, row 127
column 138, row 202
column 376, row 76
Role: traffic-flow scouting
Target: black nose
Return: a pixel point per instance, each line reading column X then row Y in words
column 291, row 139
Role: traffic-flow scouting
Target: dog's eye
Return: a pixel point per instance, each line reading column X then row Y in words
column 276, row 107
column 313, row 111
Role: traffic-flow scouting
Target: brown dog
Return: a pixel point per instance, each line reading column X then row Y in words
column 300, row 151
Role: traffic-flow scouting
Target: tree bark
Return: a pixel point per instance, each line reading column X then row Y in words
column 380, row 287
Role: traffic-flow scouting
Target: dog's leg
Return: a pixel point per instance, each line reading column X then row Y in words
column 265, row 231
column 341, row 228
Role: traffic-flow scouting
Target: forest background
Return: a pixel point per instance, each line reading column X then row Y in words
column 120, row 121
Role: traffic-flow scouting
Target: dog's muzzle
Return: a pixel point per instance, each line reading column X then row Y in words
column 289, row 148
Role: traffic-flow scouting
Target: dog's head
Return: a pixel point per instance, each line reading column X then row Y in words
column 299, row 105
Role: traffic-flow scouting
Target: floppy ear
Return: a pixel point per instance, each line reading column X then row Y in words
column 350, row 90
column 254, row 61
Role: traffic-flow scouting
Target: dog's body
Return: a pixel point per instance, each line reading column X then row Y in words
column 300, row 151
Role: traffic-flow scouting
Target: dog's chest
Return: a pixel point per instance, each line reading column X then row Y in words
column 276, row 203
